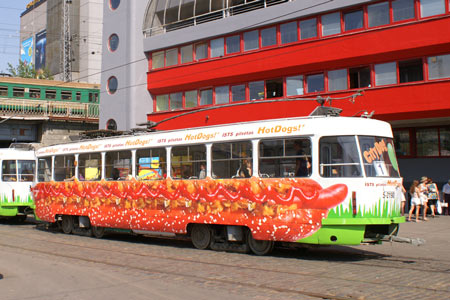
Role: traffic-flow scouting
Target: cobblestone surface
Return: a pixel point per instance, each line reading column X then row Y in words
column 170, row 269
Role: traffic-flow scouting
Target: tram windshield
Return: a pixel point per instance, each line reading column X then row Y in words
column 339, row 157
column 378, row 156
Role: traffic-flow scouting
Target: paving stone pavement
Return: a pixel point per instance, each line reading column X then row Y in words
column 169, row 269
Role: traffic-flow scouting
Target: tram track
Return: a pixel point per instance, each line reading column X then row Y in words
column 224, row 266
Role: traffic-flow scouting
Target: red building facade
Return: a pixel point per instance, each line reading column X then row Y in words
column 396, row 54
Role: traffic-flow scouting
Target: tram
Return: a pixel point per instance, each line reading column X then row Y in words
column 324, row 179
column 17, row 175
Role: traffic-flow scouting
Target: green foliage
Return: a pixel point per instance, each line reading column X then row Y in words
column 25, row 70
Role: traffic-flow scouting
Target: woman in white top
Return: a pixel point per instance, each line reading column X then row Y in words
column 415, row 200
column 423, row 194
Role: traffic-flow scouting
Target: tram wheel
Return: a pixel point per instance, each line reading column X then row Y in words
column 67, row 224
column 201, row 236
column 97, row 231
column 259, row 247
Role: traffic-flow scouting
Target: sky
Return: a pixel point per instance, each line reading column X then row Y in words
column 10, row 31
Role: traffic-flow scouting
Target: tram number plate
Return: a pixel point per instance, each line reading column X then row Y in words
column 388, row 195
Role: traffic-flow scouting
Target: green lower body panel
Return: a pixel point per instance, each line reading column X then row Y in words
column 351, row 231
column 13, row 209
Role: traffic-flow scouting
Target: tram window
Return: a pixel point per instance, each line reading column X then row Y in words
column 18, row 92
column 186, row 161
column 378, row 156
column 285, row 158
column 50, row 94
column 89, row 166
column 9, row 172
column 117, row 165
column 45, row 169
column 78, row 96
column 35, row 93
column 26, row 169
column 151, row 164
column 66, row 95
column 64, row 168
column 231, row 160
column 3, row 91
column 339, row 157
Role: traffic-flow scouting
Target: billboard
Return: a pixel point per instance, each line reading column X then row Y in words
column 26, row 51
column 39, row 55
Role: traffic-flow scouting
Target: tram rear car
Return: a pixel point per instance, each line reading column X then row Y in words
column 316, row 180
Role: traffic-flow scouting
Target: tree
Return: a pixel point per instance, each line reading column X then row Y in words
column 26, row 70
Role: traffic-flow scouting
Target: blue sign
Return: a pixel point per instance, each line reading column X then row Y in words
column 26, row 51
column 39, row 55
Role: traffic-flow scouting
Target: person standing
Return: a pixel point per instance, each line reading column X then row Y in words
column 433, row 196
column 446, row 193
column 415, row 200
column 423, row 191
column 400, row 195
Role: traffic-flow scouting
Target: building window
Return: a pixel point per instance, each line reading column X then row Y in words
column 111, row 85
column 288, row 32
column 427, row 143
column 337, row 80
column 176, row 101
column 439, row 66
column 66, row 95
column 256, row 90
column 50, row 94
column 274, row 88
column 233, row 44
column 444, row 139
column 35, row 93
column 18, row 92
column 238, row 93
column 3, row 91
column 201, row 51
column 217, row 47
column 294, row 85
column 251, row 40
column 430, row 8
column 353, row 20
column 378, row 14
column 331, row 24
column 308, row 29
column 403, row 10
column 93, row 97
column 157, row 60
column 268, row 37
column 114, row 4
column 222, row 94
column 171, row 57
column 359, row 77
column 162, row 102
column 113, row 42
column 315, row 83
column 186, row 54
column 402, row 143
column 190, row 99
column 386, row 73
column 206, row 97
column 410, row 70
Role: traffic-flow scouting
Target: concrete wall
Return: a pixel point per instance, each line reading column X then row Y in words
column 60, row 132
column 90, row 40
column 131, row 102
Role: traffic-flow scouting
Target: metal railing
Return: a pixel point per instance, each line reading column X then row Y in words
column 15, row 108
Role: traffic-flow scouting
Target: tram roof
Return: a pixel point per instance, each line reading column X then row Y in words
column 10, row 153
column 277, row 128
column 49, row 83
